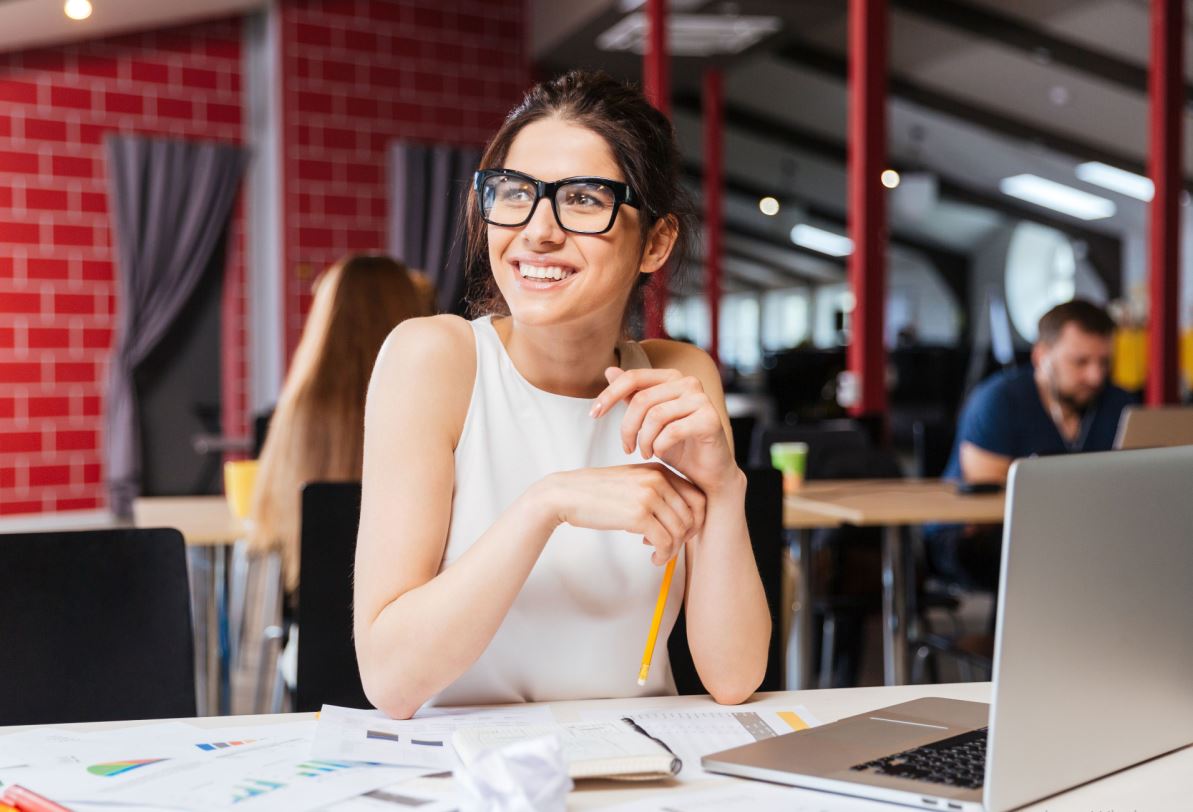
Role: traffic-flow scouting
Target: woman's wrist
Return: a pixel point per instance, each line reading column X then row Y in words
column 730, row 487
column 543, row 505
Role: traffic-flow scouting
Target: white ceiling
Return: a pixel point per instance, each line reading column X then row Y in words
column 977, row 71
column 32, row 23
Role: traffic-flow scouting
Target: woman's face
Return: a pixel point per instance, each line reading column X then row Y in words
column 599, row 270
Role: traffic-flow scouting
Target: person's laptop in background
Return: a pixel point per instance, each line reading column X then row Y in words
column 1154, row 427
column 1092, row 663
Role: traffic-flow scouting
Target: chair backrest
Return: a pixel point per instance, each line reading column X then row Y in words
column 823, row 444
column 742, row 427
column 764, row 518
column 327, row 670
column 95, row 626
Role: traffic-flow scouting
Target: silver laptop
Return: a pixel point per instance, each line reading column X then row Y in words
column 1154, row 427
column 1093, row 623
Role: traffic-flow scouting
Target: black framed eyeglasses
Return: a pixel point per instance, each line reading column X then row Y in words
column 582, row 205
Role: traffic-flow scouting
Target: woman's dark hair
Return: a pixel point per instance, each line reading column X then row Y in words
column 642, row 142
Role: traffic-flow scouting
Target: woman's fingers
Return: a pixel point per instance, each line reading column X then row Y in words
column 641, row 404
column 663, row 415
column 693, row 497
column 660, row 538
column 624, row 384
column 669, row 517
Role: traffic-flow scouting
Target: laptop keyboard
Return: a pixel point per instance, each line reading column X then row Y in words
column 959, row 761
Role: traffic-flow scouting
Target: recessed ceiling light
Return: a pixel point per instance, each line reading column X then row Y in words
column 890, row 178
column 691, row 34
column 817, row 239
column 1057, row 196
column 77, row 9
column 768, row 206
column 1116, row 180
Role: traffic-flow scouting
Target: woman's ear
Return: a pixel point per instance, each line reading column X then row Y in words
column 659, row 242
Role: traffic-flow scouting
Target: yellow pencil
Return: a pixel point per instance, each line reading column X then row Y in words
column 659, row 606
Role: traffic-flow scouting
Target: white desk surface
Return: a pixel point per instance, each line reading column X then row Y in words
column 1161, row 785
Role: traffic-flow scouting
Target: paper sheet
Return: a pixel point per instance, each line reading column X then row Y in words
column 395, row 799
column 580, row 741
column 424, row 741
column 182, row 767
column 749, row 796
column 696, row 733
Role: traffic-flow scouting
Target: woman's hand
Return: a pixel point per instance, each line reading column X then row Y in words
column 648, row 500
column 671, row 417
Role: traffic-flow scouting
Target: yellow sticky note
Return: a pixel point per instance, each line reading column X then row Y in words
column 793, row 719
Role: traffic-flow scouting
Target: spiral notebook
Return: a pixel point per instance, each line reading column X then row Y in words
column 616, row 749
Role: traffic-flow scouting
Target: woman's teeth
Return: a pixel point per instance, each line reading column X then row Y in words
column 544, row 272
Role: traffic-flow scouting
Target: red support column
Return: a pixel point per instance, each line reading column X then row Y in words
column 657, row 84
column 714, row 120
column 1166, row 103
column 866, row 201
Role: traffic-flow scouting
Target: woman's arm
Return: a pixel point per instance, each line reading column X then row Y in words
column 417, row 629
column 677, row 411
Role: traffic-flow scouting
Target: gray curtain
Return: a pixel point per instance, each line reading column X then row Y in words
column 428, row 189
column 170, row 202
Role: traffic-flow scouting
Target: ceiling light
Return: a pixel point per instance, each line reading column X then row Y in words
column 1116, row 180
column 1057, row 196
column 77, row 9
column 826, row 242
column 768, row 206
column 691, row 34
column 890, row 178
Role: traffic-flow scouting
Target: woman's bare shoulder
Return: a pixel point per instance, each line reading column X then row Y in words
column 687, row 358
column 430, row 363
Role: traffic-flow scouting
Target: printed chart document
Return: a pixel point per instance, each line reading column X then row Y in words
column 691, row 734
column 424, row 741
column 175, row 766
column 615, row 749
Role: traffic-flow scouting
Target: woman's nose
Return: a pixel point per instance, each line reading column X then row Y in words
column 543, row 228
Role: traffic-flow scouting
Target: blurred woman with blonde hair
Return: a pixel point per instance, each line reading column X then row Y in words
column 317, row 429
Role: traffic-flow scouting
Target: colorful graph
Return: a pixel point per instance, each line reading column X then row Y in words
column 112, row 768
column 209, row 746
column 314, row 768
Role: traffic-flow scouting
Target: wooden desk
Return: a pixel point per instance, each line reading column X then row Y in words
column 891, row 504
column 204, row 521
column 209, row 529
column 1155, row 786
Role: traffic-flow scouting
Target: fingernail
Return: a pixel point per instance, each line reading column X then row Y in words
column 596, row 407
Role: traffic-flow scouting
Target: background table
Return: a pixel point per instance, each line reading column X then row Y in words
column 890, row 504
column 1159, row 785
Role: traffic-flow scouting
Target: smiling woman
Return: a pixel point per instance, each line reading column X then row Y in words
column 515, row 464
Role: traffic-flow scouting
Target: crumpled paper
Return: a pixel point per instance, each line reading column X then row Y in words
column 526, row 776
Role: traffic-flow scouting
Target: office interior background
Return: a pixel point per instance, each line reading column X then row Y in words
column 1008, row 148
column 1016, row 153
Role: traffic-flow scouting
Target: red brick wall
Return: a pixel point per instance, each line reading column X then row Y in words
column 356, row 75
column 57, row 285
column 359, row 74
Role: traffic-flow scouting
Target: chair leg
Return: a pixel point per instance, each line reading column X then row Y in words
column 272, row 632
column 828, row 649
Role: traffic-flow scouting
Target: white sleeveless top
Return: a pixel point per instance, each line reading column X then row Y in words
column 578, row 627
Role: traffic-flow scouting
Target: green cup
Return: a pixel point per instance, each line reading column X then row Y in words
column 791, row 459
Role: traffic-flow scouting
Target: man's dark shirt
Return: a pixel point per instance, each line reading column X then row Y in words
column 1004, row 415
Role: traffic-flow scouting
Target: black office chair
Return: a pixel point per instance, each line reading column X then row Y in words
column 742, row 427
column 95, row 626
column 327, row 670
column 764, row 518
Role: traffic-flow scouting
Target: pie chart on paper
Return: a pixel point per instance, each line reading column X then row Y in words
column 117, row 767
